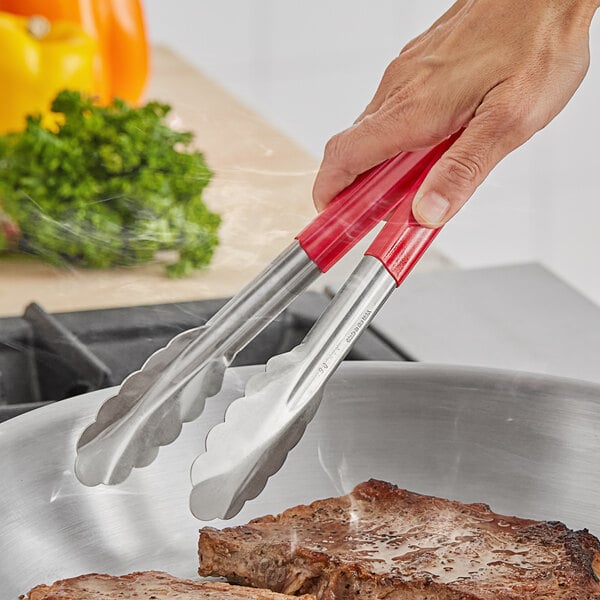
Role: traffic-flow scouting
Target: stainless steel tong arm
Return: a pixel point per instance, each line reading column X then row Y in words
column 263, row 426
column 173, row 385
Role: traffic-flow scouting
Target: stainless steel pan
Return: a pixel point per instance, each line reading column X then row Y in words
column 525, row 444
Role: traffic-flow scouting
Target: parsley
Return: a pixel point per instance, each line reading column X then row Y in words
column 111, row 186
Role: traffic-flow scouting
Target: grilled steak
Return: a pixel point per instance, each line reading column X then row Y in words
column 384, row 542
column 145, row 586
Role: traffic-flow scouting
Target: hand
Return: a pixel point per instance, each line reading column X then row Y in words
column 503, row 69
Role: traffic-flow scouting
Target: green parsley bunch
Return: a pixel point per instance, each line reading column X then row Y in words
column 111, row 186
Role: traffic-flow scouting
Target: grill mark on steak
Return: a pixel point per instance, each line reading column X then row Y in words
column 147, row 585
column 382, row 541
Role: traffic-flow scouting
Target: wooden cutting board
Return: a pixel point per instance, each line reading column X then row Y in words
column 261, row 188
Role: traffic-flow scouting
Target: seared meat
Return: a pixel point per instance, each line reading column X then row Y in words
column 145, row 586
column 384, row 542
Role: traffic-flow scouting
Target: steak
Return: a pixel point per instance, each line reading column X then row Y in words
column 145, row 586
column 384, row 542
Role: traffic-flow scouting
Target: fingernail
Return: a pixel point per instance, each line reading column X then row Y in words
column 431, row 208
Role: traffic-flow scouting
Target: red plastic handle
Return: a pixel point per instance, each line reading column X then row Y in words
column 363, row 204
column 402, row 241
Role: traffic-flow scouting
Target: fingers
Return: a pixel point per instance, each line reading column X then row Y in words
column 348, row 154
column 489, row 137
column 369, row 142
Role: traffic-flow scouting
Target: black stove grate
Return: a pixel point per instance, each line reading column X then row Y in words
column 48, row 357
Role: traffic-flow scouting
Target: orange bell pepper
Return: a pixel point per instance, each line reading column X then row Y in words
column 122, row 63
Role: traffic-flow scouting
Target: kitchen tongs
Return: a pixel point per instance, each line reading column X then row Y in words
column 171, row 388
column 268, row 421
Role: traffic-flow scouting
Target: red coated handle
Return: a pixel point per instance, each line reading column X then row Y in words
column 402, row 241
column 364, row 203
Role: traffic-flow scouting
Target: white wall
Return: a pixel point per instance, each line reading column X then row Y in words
column 310, row 67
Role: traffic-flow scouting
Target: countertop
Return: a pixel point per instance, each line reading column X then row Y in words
column 261, row 188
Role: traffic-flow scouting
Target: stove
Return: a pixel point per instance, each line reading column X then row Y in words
column 516, row 317
column 46, row 357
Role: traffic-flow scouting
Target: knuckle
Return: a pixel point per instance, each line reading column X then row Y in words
column 377, row 125
column 394, row 69
column 506, row 114
column 518, row 119
column 515, row 116
column 463, row 170
column 342, row 154
column 388, row 128
column 401, row 121
column 526, row 125
column 337, row 149
column 503, row 114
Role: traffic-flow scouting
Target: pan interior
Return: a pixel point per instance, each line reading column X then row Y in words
column 526, row 445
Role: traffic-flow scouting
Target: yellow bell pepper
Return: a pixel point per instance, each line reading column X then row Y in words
column 119, row 28
column 37, row 60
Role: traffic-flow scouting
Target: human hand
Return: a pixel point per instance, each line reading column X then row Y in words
column 503, row 69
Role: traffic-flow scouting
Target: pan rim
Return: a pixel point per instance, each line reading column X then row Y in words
column 530, row 381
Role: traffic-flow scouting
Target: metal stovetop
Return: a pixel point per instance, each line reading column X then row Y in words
column 48, row 357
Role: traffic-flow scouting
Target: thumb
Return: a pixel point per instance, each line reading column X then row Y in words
column 464, row 166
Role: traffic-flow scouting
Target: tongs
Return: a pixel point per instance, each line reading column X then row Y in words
column 259, row 429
